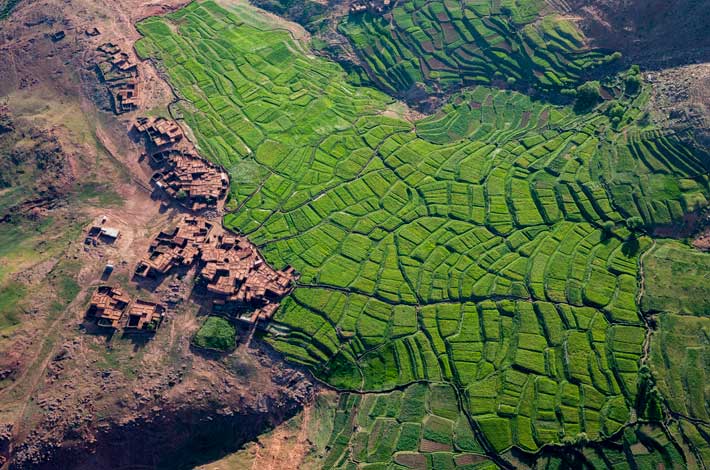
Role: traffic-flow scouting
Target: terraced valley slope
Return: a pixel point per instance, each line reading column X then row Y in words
column 439, row 46
column 410, row 234
column 474, row 273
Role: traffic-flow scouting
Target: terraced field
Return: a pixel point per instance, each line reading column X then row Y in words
column 418, row 427
column 477, row 269
column 641, row 446
column 446, row 45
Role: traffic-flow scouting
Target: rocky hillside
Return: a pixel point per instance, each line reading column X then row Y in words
column 656, row 33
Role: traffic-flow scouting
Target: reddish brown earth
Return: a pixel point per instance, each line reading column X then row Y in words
column 702, row 241
column 72, row 396
column 656, row 33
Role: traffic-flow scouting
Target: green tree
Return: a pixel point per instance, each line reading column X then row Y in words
column 632, row 84
column 608, row 228
column 634, row 223
column 649, row 404
column 616, row 113
column 588, row 95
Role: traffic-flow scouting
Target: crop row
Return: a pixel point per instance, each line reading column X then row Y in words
column 658, row 178
column 419, row 427
column 540, row 371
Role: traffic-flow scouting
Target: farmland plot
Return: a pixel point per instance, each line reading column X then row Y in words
column 483, row 250
column 676, row 285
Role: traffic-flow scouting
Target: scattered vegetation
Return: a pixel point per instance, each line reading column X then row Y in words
column 306, row 12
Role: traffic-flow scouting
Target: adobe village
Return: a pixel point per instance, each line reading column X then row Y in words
column 228, row 268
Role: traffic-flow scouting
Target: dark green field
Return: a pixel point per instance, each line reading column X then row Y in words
column 442, row 44
column 216, row 334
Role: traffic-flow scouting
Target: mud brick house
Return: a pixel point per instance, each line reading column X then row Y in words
column 144, row 316
column 125, row 96
column 107, row 306
column 235, row 273
column 264, row 313
column 119, row 73
column 195, row 182
column 180, row 247
column 160, row 132
column 122, row 62
column 109, row 48
column 229, row 268
column 98, row 231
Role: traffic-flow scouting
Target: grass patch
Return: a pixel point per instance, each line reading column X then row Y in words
column 99, row 193
column 11, row 295
column 676, row 279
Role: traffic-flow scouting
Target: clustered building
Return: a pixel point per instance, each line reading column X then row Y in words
column 109, row 304
column 235, row 273
column 119, row 72
column 160, row 132
column 195, row 182
column 230, row 268
column 179, row 247
column 192, row 180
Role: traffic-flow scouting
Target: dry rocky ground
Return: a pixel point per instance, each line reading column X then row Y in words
column 656, row 33
column 71, row 396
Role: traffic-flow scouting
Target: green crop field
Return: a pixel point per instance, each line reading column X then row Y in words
column 641, row 446
column 445, row 45
column 418, row 427
column 476, row 271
